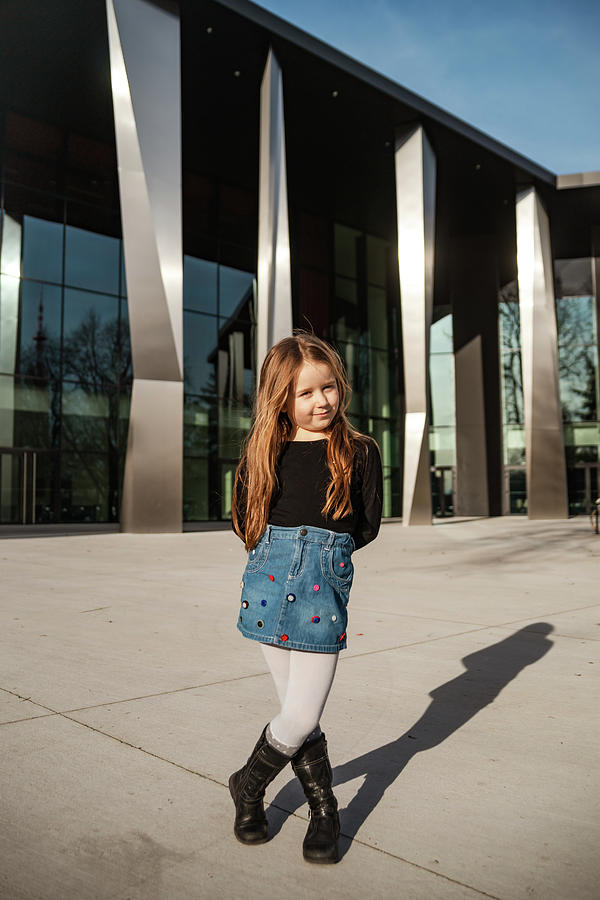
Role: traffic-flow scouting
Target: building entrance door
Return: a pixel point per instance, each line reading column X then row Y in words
column 27, row 479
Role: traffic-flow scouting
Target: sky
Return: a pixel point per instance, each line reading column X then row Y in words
column 527, row 73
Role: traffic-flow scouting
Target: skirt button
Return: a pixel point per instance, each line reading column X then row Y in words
column 303, row 532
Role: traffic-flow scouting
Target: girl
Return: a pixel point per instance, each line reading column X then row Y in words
column 307, row 494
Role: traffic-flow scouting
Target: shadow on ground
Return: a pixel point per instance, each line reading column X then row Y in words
column 453, row 704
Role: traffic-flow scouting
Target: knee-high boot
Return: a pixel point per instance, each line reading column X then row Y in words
column 311, row 765
column 247, row 787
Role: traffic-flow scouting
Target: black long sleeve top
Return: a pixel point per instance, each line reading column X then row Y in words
column 303, row 476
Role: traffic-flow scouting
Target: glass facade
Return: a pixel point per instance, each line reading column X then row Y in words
column 364, row 328
column 577, row 327
column 442, row 432
column 219, row 365
column 65, row 367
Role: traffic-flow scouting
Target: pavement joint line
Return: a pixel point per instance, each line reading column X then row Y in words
column 296, row 815
column 359, row 655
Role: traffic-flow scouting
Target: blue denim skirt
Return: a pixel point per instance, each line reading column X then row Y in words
column 295, row 589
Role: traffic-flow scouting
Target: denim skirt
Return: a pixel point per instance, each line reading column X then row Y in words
column 295, row 589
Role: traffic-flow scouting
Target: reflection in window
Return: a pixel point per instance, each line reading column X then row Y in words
column 86, row 419
column 84, row 487
column 509, row 325
column 39, row 330
column 200, row 353
column 92, row 260
column 199, row 285
column 91, row 337
column 195, row 489
column 42, row 249
column 442, row 433
column 236, row 292
column 36, row 414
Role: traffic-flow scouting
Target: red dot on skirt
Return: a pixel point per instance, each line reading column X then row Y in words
column 315, row 587
column 342, row 565
column 271, row 578
column 284, row 637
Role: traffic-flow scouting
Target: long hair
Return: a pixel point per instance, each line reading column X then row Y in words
column 256, row 480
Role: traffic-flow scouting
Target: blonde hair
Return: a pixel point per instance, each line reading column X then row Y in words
column 256, row 480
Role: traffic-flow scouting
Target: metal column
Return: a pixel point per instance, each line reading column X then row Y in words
column 415, row 204
column 144, row 42
column 546, row 468
column 274, row 294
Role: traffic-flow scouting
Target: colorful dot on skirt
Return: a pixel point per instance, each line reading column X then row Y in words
column 263, row 602
column 334, row 618
column 316, row 587
column 284, row 637
column 245, row 604
column 342, row 636
column 271, row 578
column 316, row 619
column 342, row 565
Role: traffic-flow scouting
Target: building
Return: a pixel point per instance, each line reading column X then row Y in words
column 183, row 182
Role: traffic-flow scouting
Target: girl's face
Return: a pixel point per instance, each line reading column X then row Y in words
column 313, row 401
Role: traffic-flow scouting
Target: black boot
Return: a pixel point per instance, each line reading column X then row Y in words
column 311, row 765
column 247, row 787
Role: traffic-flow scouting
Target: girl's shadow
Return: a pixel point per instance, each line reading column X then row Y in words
column 452, row 705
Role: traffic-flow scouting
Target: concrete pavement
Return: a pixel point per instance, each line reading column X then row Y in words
column 463, row 724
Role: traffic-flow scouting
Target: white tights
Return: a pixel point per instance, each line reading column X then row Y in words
column 302, row 681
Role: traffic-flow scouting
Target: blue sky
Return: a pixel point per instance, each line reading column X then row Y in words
column 527, row 73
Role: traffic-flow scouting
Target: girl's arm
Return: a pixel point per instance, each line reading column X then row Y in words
column 371, row 493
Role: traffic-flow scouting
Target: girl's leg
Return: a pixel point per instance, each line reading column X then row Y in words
column 309, row 681
column 278, row 661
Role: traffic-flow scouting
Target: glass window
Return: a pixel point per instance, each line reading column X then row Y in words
column 39, row 329
column 346, row 324
column 236, row 355
column 200, row 344
column 91, row 337
column 236, row 292
column 377, row 316
column 87, row 417
column 512, row 388
column 10, row 251
column 578, row 367
column 573, row 277
column 227, row 477
column 125, row 361
column 376, row 261
column 441, row 336
column 92, row 260
column 234, row 425
column 84, row 487
column 199, row 285
column 441, row 374
column 195, row 489
column 199, row 419
column 42, row 249
column 576, row 321
column 36, row 413
column 346, row 251
column 510, row 325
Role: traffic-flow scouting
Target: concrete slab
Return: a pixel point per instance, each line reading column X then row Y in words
column 86, row 816
column 462, row 723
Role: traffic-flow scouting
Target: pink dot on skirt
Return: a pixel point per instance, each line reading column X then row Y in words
column 315, row 587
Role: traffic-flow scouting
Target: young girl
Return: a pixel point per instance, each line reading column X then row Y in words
column 307, row 494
